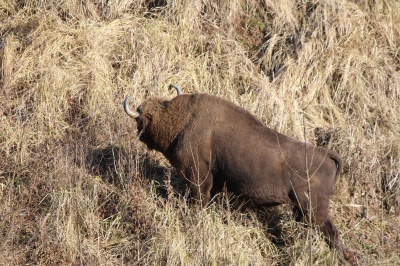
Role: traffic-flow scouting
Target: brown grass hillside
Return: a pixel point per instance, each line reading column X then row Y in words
column 78, row 188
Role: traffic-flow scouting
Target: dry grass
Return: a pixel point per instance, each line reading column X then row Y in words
column 77, row 187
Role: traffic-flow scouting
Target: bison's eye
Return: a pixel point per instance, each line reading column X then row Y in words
column 140, row 110
column 139, row 119
column 139, row 124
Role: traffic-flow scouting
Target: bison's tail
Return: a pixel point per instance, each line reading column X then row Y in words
column 338, row 162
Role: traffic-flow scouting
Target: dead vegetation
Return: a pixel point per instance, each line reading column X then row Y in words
column 77, row 187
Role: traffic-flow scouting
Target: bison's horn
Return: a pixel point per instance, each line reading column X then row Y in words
column 128, row 110
column 178, row 90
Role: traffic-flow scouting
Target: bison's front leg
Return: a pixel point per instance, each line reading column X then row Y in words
column 201, row 182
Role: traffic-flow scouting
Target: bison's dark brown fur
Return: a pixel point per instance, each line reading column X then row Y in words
column 212, row 141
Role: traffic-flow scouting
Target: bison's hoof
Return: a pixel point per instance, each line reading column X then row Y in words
column 352, row 257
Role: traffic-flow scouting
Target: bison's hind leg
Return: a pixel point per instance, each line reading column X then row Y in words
column 331, row 234
column 320, row 217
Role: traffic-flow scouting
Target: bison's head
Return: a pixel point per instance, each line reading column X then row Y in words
column 147, row 116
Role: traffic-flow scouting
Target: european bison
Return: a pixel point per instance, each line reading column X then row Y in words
column 211, row 141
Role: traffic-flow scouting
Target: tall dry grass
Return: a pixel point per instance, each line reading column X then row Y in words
column 77, row 187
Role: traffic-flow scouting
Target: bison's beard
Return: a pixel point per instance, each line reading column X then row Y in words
column 146, row 139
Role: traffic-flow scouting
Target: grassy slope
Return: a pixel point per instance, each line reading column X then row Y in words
column 77, row 187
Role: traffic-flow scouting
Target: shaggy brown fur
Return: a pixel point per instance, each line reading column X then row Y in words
column 212, row 141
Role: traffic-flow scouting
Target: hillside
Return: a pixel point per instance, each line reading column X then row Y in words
column 78, row 188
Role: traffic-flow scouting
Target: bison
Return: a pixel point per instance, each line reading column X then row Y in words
column 212, row 141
